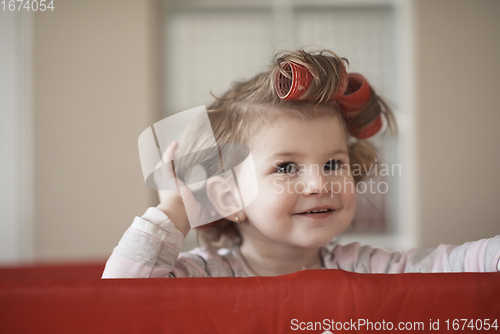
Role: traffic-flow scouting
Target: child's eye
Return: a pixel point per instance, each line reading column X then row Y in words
column 286, row 167
column 334, row 164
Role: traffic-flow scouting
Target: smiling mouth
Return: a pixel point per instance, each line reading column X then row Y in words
column 312, row 212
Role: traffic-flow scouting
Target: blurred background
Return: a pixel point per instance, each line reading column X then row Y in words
column 80, row 83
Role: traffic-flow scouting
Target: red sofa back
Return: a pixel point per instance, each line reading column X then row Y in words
column 73, row 299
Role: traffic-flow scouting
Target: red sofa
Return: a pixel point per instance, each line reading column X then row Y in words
column 73, row 299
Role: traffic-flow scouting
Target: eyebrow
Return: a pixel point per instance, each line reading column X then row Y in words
column 296, row 154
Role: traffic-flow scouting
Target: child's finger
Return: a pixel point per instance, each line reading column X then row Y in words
column 188, row 198
column 168, row 155
column 170, row 152
column 167, row 172
column 188, row 194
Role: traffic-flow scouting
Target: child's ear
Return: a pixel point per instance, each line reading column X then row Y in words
column 224, row 196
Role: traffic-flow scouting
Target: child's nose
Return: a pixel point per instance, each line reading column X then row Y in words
column 315, row 184
column 312, row 188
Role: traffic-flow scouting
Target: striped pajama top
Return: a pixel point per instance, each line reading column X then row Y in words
column 150, row 248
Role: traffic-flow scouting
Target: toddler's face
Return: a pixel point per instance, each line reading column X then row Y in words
column 299, row 168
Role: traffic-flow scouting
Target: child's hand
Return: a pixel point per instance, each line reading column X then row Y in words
column 171, row 202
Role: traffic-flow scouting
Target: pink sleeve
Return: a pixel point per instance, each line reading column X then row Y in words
column 150, row 248
column 476, row 256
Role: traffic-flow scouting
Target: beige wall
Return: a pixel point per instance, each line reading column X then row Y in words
column 97, row 86
column 458, row 81
column 95, row 90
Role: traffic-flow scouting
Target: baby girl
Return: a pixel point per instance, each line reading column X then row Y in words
column 306, row 121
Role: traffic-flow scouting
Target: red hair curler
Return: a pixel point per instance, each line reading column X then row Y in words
column 356, row 95
column 353, row 93
column 293, row 88
column 370, row 130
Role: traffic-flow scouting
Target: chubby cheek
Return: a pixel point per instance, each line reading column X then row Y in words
column 271, row 209
column 274, row 201
column 348, row 198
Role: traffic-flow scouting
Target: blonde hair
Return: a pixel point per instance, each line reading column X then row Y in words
column 248, row 105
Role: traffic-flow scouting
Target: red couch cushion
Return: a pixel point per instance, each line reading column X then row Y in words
column 62, row 270
column 244, row 305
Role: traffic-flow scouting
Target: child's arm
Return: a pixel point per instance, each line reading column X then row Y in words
column 476, row 256
column 150, row 248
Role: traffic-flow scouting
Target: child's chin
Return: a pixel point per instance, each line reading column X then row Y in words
column 318, row 242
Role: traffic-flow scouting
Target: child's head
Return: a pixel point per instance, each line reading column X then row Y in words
column 315, row 135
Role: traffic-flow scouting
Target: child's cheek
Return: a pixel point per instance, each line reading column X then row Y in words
column 278, row 185
column 349, row 196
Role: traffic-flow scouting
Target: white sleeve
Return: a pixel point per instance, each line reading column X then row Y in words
column 149, row 248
